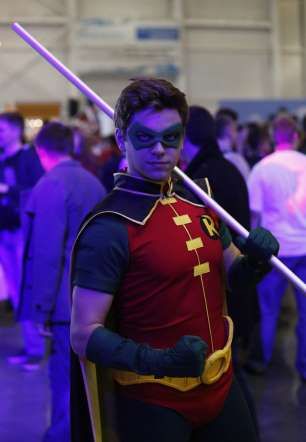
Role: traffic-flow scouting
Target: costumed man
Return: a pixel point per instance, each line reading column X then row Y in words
column 156, row 257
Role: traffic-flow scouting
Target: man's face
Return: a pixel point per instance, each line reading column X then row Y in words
column 153, row 143
column 9, row 134
column 233, row 132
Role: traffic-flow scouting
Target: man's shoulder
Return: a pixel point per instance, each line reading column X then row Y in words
column 261, row 165
column 102, row 228
column 75, row 168
column 45, row 188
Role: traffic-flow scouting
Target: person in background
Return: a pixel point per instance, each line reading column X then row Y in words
column 149, row 246
column 226, row 133
column 111, row 164
column 277, row 188
column 20, row 169
column 258, row 143
column 56, row 207
column 227, row 112
column 202, row 157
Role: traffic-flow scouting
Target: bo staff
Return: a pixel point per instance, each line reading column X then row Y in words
column 89, row 93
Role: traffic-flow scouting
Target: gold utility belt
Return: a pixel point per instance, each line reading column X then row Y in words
column 215, row 366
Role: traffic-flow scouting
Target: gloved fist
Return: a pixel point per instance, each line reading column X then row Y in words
column 259, row 246
column 186, row 358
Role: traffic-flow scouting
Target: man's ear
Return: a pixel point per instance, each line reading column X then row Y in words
column 120, row 138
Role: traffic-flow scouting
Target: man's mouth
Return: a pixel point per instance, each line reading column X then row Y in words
column 159, row 163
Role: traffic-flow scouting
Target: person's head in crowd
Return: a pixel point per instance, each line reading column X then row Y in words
column 253, row 137
column 200, row 134
column 303, row 123
column 226, row 132
column 11, row 131
column 281, row 111
column 252, row 142
column 79, row 144
column 227, row 112
column 285, row 133
column 242, row 135
column 150, row 119
column 265, row 142
column 54, row 143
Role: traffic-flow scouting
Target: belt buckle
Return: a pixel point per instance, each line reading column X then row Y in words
column 216, row 364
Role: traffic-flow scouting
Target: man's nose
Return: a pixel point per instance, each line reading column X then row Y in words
column 158, row 148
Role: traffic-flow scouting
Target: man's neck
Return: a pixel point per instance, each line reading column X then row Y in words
column 55, row 161
column 225, row 145
column 284, row 146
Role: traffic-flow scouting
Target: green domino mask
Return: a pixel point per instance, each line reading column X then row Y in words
column 142, row 137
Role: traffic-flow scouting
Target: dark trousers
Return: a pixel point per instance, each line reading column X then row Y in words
column 59, row 377
column 141, row 422
column 271, row 290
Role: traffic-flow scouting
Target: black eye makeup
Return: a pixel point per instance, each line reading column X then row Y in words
column 142, row 137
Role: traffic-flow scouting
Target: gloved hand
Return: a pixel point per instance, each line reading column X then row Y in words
column 259, row 246
column 249, row 269
column 186, row 358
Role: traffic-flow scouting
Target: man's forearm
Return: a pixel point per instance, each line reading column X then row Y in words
column 111, row 350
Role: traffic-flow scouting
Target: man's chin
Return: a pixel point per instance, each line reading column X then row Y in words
column 159, row 176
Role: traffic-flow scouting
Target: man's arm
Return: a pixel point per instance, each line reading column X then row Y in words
column 91, row 340
column 229, row 255
column 89, row 311
column 48, row 247
column 101, row 260
column 250, row 267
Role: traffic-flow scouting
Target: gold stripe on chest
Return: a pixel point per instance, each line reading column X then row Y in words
column 194, row 244
column 169, row 200
column 181, row 220
column 201, row 269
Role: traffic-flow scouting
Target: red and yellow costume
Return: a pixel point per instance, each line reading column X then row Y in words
column 163, row 255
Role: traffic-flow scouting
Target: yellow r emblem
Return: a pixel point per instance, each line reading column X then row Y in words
column 209, row 227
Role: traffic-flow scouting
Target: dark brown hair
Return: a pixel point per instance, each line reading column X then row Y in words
column 145, row 93
column 55, row 137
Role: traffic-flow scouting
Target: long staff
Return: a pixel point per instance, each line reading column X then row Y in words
column 89, row 93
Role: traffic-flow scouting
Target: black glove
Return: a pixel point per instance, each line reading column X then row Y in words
column 259, row 246
column 186, row 358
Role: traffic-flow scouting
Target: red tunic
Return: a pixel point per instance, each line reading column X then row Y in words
column 174, row 287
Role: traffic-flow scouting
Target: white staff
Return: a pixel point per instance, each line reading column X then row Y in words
column 89, row 93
